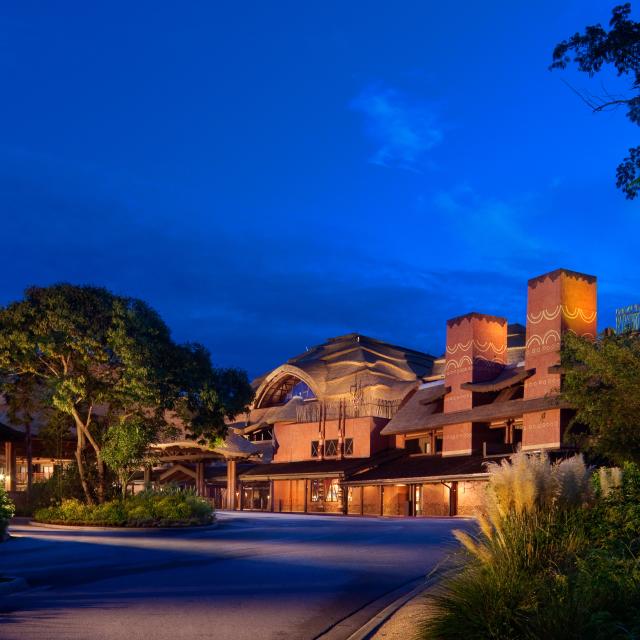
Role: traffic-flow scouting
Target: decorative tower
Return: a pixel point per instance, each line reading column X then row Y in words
column 557, row 302
column 476, row 352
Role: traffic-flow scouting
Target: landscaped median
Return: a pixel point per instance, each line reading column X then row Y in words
column 169, row 508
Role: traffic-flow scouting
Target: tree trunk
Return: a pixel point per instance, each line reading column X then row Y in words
column 81, row 473
column 101, row 488
column 80, row 441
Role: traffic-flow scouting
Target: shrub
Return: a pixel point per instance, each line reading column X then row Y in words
column 165, row 508
column 7, row 510
column 549, row 561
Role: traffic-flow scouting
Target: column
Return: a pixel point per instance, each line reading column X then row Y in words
column 231, row 484
column 10, row 464
column 200, row 486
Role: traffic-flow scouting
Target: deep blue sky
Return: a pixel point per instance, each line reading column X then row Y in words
column 269, row 174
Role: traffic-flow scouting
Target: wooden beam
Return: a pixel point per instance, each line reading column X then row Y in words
column 178, row 467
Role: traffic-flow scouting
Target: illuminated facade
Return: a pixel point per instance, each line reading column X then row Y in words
column 359, row 426
column 382, row 430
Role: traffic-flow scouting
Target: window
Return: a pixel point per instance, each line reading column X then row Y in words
column 284, row 389
column 334, row 491
column 316, row 490
column 331, row 448
column 260, row 435
column 314, row 449
column 348, row 447
column 429, row 444
column 301, row 389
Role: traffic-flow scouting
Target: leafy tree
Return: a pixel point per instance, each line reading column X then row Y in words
column 126, row 448
column 602, row 382
column 110, row 364
column 620, row 47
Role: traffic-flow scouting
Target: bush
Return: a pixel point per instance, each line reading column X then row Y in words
column 167, row 508
column 554, row 559
column 6, row 512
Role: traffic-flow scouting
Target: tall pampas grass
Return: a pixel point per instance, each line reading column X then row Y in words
column 525, row 542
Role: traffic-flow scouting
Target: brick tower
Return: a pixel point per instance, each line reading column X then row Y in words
column 557, row 302
column 476, row 352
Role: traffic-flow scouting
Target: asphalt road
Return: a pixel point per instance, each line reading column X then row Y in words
column 257, row 576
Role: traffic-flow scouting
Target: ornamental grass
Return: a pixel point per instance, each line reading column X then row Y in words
column 544, row 563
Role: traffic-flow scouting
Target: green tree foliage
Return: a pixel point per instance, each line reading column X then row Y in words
column 125, row 448
column 109, row 363
column 619, row 47
column 602, row 382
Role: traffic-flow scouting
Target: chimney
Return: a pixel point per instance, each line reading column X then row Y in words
column 476, row 352
column 557, row 302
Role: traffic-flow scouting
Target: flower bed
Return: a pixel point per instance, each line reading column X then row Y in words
column 171, row 508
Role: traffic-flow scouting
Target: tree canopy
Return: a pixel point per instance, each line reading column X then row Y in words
column 109, row 363
column 619, row 47
column 602, row 382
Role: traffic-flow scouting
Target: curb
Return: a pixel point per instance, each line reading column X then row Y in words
column 68, row 527
column 368, row 630
column 12, row 585
column 377, row 617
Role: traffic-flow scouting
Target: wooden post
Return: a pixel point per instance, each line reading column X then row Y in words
column 453, row 499
column 381, row 499
column 361, row 499
column 231, row 484
column 306, row 493
column 271, row 502
column 200, row 479
column 10, row 466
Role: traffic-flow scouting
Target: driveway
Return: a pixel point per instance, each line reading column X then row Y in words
column 257, row 576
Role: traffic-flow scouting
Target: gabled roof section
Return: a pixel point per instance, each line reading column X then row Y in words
column 425, row 402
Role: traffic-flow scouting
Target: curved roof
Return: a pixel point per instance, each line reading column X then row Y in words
column 351, row 364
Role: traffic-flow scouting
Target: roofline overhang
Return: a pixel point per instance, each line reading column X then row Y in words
column 294, row 476
column 419, row 480
column 484, row 413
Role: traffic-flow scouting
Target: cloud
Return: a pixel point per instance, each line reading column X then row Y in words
column 404, row 130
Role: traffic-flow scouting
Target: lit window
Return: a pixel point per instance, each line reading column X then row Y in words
column 301, row 389
column 316, row 490
column 333, row 491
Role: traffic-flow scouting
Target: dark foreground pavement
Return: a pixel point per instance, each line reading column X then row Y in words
column 257, row 576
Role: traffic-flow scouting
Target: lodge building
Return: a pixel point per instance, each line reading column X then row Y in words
column 361, row 427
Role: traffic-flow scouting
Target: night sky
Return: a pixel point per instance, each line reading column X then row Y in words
column 270, row 174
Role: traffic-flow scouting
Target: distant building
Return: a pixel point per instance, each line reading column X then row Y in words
column 628, row 318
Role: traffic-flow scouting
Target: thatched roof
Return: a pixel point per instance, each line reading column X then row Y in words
column 424, row 402
column 499, row 410
column 508, row 377
column 341, row 365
